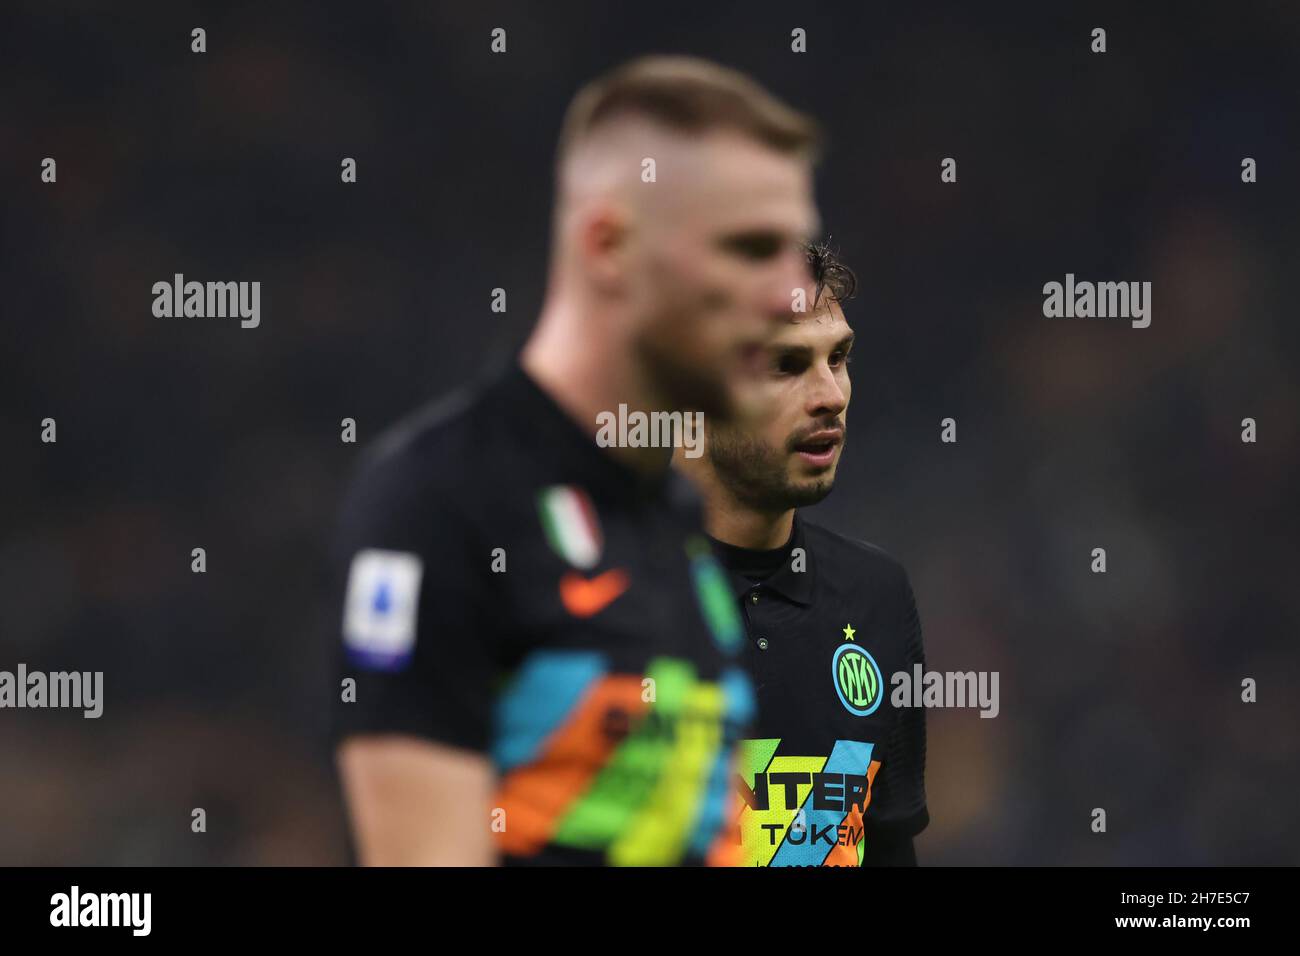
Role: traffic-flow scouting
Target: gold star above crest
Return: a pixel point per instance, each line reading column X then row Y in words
column 848, row 632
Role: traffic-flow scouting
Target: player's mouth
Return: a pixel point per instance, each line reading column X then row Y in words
column 819, row 448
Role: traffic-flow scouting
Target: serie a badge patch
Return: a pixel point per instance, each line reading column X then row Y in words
column 379, row 615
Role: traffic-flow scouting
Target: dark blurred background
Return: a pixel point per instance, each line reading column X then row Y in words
column 1119, row 690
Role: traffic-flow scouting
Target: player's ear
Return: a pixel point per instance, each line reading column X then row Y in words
column 603, row 240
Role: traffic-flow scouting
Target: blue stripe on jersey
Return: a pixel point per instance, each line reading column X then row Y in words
column 740, row 707
column 543, row 692
column 849, row 756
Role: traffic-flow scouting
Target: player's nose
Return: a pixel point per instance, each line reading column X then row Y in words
column 826, row 396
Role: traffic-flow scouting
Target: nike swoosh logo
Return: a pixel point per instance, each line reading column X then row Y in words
column 584, row 597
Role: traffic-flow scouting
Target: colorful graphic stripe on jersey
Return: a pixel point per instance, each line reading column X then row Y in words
column 636, row 779
column 711, row 829
column 803, row 811
column 714, row 594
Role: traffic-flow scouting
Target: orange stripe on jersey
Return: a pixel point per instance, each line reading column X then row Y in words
column 725, row 850
column 536, row 795
column 848, row 855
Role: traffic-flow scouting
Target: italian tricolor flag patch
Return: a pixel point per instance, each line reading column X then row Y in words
column 571, row 526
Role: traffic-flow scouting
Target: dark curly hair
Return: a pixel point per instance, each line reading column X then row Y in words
column 830, row 273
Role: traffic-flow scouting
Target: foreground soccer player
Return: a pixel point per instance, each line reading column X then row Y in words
column 543, row 648
column 834, row 775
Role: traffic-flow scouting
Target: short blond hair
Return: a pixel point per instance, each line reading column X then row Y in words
column 691, row 96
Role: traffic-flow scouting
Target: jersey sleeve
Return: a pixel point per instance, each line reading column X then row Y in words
column 410, row 605
column 899, row 801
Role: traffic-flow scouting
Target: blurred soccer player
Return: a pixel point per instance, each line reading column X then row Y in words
column 542, row 645
column 833, row 775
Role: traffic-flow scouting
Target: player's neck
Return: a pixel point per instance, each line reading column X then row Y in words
column 732, row 523
column 586, row 376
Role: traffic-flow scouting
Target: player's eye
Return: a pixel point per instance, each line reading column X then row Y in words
column 756, row 246
column 789, row 364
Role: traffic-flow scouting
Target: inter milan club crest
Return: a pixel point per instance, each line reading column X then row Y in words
column 857, row 676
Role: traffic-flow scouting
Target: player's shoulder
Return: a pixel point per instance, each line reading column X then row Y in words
column 432, row 459
column 852, row 559
column 419, row 446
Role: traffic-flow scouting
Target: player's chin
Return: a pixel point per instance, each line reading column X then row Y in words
column 805, row 490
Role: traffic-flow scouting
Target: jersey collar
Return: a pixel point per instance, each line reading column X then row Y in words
column 796, row 586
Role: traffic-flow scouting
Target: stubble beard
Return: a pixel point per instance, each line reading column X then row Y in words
column 757, row 475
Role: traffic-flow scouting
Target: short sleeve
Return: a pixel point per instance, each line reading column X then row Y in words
column 409, row 594
column 898, row 803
